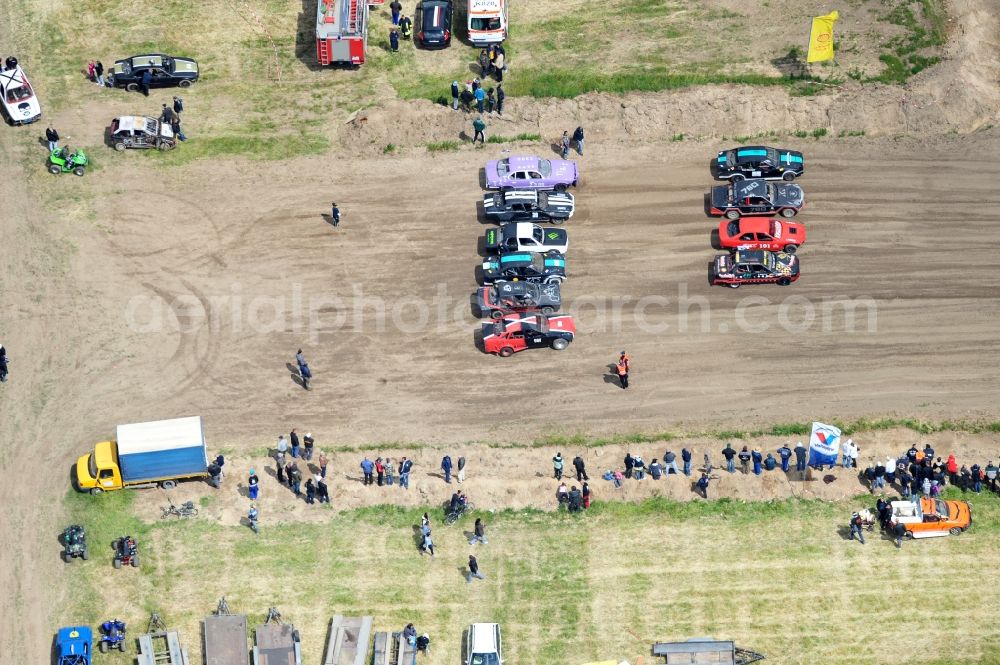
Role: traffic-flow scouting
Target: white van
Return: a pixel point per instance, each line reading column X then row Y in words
column 482, row 644
column 487, row 21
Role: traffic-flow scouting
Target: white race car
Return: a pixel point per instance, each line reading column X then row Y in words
column 19, row 101
column 526, row 237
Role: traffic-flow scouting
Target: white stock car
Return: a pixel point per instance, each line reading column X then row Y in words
column 19, row 102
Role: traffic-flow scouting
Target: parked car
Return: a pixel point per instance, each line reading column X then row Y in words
column 757, row 162
column 931, row 517
column 517, row 332
column 136, row 131
column 530, row 172
column 528, row 205
column 166, row 71
column 508, row 297
column 525, row 267
column 526, row 237
column 483, row 644
column 433, row 21
column 761, row 233
column 757, row 197
column 755, row 267
column 74, row 645
column 19, row 102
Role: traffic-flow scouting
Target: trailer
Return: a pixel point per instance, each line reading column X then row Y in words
column 226, row 638
column 704, row 651
column 392, row 649
column 341, row 31
column 347, row 643
column 277, row 642
column 159, row 646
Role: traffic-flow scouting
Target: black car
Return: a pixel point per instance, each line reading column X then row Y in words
column 434, row 23
column 166, row 71
column 757, row 162
column 756, row 197
column 508, row 297
column 755, row 267
column 522, row 205
column 525, row 267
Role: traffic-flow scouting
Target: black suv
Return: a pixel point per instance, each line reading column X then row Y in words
column 434, row 23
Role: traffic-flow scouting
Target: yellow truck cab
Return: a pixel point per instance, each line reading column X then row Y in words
column 145, row 455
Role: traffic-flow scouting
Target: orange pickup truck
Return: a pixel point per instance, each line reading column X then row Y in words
column 932, row 517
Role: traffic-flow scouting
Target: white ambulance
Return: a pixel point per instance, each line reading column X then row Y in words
column 487, row 21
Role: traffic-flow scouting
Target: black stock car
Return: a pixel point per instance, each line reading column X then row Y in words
column 756, row 197
column 527, row 205
column 164, row 70
column 755, row 267
column 524, row 267
column 757, row 162
column 508, row 297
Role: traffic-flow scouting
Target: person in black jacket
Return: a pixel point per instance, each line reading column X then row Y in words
column 578, row 139
column 52, row 136
column 730, row 454
column 3, row 364
column 473, row 570
column 581, row 469
column 628, row 465
column 686, row 458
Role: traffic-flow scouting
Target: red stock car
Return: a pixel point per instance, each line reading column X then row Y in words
column 517, row 332
column 761, row 233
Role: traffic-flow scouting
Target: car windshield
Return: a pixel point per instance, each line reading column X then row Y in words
column 484, row 659
column 733, row 228
column 942, row 508
column 730, row 158
column 503, row 167
column 538, row 263
column 772, row 156
column 492, row 23
column 92, row 466
column 19, row 93
column 538, row 234
column 545, row 167
column 150, row 126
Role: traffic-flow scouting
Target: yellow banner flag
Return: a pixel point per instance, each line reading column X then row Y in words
column 821, row 38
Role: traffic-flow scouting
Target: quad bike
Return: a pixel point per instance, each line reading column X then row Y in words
column 112, row 635
column 62, row 161
column 74, row 541
column 126, row 552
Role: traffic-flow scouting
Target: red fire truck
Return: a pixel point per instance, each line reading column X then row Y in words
column 341, row 31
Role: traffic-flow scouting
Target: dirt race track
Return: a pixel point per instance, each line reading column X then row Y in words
column 187, row 291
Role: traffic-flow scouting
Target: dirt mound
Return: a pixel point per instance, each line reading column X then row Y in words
column 960, row 94
column 503, row 478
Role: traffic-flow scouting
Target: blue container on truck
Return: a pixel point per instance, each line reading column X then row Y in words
column 144, row 455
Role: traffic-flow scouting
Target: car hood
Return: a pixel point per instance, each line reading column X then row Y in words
column 552, row 237
column 185, row 65
column 788, row 195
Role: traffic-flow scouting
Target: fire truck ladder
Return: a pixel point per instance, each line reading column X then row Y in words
column 324, row 52
column 352, row 16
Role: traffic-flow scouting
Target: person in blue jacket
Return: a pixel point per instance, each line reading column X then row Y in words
column 368, row 467
column 446, row 467
column 686, row 457
column 786, row 455
column 770, row 463
column 757, row 458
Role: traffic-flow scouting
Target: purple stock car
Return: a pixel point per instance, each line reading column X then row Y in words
column 530, row 172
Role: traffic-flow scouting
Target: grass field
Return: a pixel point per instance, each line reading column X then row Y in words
column 778, row 577
column 262, row 96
